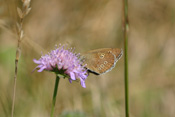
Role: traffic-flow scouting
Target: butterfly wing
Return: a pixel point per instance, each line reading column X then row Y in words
column 100, row 61
column 117, row 52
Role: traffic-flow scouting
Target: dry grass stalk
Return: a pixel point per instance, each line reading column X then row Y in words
column 21, row 13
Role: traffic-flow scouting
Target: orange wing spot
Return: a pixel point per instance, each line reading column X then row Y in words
column 102, row 66
column 102, row 56
column 105, row 62
column 110, row 51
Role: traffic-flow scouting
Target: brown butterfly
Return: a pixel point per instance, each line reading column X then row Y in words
column 102, row 60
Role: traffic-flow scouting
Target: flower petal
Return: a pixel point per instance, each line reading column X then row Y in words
column 41, row 69
column 72, row 75
column 36, row 61
column 70, row 80
column 83, row 83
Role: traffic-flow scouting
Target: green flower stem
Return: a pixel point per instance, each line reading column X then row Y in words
column 126, row 29
column 55, row 94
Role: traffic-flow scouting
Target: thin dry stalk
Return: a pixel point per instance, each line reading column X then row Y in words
column 21, row 13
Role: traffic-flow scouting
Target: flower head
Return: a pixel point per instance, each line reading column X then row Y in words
column 65, row 62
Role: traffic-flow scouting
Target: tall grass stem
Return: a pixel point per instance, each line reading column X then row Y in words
column 21, row 13
column 14, row 88
column 54, row 95
column 125, row 33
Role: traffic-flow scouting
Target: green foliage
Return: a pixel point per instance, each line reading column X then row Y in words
column 73, row 114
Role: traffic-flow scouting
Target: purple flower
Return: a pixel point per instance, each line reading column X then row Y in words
column 64, row 62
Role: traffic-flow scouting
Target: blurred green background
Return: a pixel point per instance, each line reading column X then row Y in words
column 87, row 25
